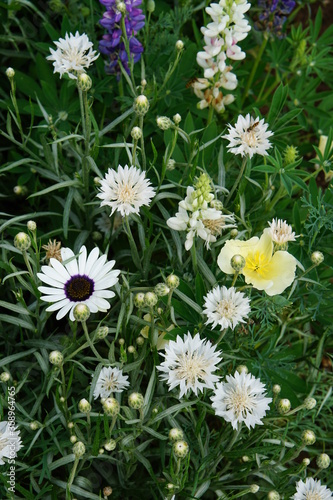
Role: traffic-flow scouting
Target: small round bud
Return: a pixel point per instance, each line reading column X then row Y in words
column 136, row 133
column 4, row 377
column 84, row 82
column 79, row 449
column 97, row 181
column 139, row 300
column 150, row 299
column 31, row 225
column 161, row 289
column 176, row 434
column 217, row 204
column 171, row 164
column 101, row 451
column 254, row 488
column 242, row 369
column 284, row 406
column 143, row 82
column 308, row 437
column 102, row 332
column 107, row 491
column 306, row 461
column 309, row 403
column 180, row 449
column 70, row 425
column 10, row 73
column 22, row 241
column 121, row 341
column 56, row 358
column 131, row 349
column 154, row 411
column 140, row 340
column 273, row 495
column 34, row 425
column 73, row 439
column 121, row 6
column 323, row 461
column 179, row 45
column 233, row 233
column 141, row 105
column 245, row 458
column 20, row 190
column 84, row 406
column 110, row 445
column 150, row 6
column 172, row 281
column 170, row 486
column 317, row 258
column 163, row 122
column 237, row 262
column 135, row 400
column 81, row 312
column 111, row 407
column 62, row 399
column 276, row 389
column 96, row 236
column 177, row 118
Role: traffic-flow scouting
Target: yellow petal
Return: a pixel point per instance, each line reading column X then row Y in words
column 282, row 272
column 234, row 247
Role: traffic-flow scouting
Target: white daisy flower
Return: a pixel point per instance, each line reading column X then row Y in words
column 73, row 54
column 110, row 380
column 241, row 399
column 226, row 307
column 126, row 190
column 10, row 441
column 82, row 280
column 190, row 364
column 312, row 489
column 280, row 232
column 249, row 136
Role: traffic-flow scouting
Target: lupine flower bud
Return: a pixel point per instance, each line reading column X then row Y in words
column 179, row 45
column 180, row 449
column 177, row 118
column 290, row 155
column 31, row 225
column 273, row 495
column 84, row 82
column 176, row 434
column 4, row 377
column 284, row 406
column 317, row 257
column 10, row 73
column 202, row 190
column 135, row 400
column 121, row 6
column 150, row 299
column 22, row 241
column 79, row 449
column 308, row 437
column 163, row 122
column 172, row 281
column 111, row 407
column 309, row 403
column 323, row 461
column 150, row 6
column 276, row 389
column 110, row 445
column 84, row 406
column 81, row 312
column 141, row 105
column 102, row 332
column 56, row 358
column 136, row 133
column 139, row 300
column 237, row 262
column 161, row 289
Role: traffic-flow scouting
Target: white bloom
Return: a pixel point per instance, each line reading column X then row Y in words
column 280, row 231
column 126, row 190
column 110, row 380
column 226, row 307
column 190, row 364
column 10, row 441
column 73, row 54
column 82, row 280
column 249, row 136
column 311, row 490
column 241, row 399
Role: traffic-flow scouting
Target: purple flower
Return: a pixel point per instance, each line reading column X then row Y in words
column 273, row 14
column 111, row 43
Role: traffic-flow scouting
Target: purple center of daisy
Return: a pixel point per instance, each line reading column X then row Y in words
column 79, row 288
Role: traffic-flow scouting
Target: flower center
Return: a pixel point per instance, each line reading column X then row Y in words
column 258, row 262
column 240, row 402
column 215, row 226
column 79, row 288
column 250, row 138
column 126, row 194
column 110, row 383
column 191, row 367
column 226, row 308
column 313, row 496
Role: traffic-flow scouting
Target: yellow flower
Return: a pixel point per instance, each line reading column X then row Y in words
column 161, row 343
column 265, row 270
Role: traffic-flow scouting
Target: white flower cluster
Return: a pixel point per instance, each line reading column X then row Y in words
column 198, row 219
column 221, row 37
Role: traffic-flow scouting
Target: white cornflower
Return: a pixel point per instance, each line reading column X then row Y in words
column 190, row 364
column 126, row 190
column 73, row 54
column 110, row 380
column 226, row 307
column 10, row 441
column 312, row 489
column 280, row 232
column 241, row 399
column 82, row 280
column 249, row 136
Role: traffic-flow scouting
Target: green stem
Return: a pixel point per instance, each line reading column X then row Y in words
column 71, row 477
column 91, row 345
column 234, row 437
column 239, row 178
column 210, row 115
column 255, row 66
column 134, row 250
column 142, row 142
column 135, row 144
column 17, row 112
column 222, row 334
column 194, row 258
column 27, row 263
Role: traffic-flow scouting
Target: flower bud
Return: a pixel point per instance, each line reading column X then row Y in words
column 242, row 369
column 131, row 349
column 110, row 445
column 62, row 399
column 308, row 437
column 140, row 340
column 121, row 341
column 170, row 486
column 150, row 6
column 323, row 461
column 254, row 488
column 79, row 449
column 4, row 377
column 139, row 300
column 245, row 458
column 111, row 407
column 150, row 299
column 217, row 204
column 141, row 105
column 56, row 358
column 101, row 451
column 237, row 262
column 161, row 289
column 163, row 122
column 31, row 225
column 172, row 281
column 136, row 133
column 171, row 164
column 81, row 312
column 177, row 118
column 63, row 115
column 276, row 389
column 107, row 491
column 70, row 425
column 309, row 403
column 135, row 400
column 179, row 45
column 290, row 155
column 73, row 439
column 10, row 73
column 306, row 462
column 143, row 82
column 284, row 406
column 84, row 82
column 233, row 233
column 180, row 449
column 96, row 236
column 121, row 6
column 34, row 425
column 84, row 406
column 317, row 257
column 273, row 495
column 20, row 190
column 22, row 241
column 102, row 332
column 176, row 434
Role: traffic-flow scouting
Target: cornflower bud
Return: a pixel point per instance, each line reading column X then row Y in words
column 79, row 449
column 163, row 122
column 177, row 118
column 309, row 403
column 254, row 488
column 10, row 73
column 70, row 425
column 273, row 495
column 171, row 164
column 22, row 241
column 139, row 300
column 150, row 6
column 31, row 225
column 306, row 462
column 135, row 400
column 34, row 425
column 179, row 45
column 84, row 406
column 111, row 407
column 107, row 491
column 136, row 133
column 84, row 82
column 73, row 439
column 150, row 299
column 233, row 233
column 131, row 349
column 217, row 204
column 308, row 437
column 176, row 434
column 56, row 358
column 172, row 281
column 102, row 332
column 284, row 406
column 141, row 105
column 237, row 262
column 161, row 289
column 276, row 389
column 4, row 377
column 140, row 340
column 81, row 312
column 180, row 449
column 245, row 458
column 323, row 461
column 110, row 445
column 242, row 369
column 317, row 257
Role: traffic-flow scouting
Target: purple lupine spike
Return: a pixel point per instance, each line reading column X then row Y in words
column 273, row 14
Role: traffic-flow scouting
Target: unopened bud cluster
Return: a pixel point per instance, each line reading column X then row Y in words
column 176, row 434
column 84, row 406
column 141, row 105
column 237, row 262
column 317, row 257
column 22, row 241
column 136, row 401
column 84, row 82
column 163, row 122
column 202, row 191
column 79, row 449
column 308, row 437
column 172, row 281
column 111, row 407
column 136, row 133
column 81, row 312
column 284, row 406
column 290, row 155
column 180, row 449
column 56, row 358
